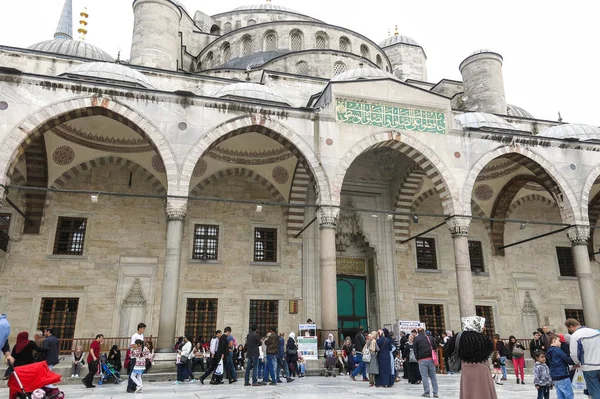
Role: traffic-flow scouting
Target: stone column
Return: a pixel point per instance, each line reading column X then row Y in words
column 176, row 210
column 459, row 228
column 327, row 218
column 579, row 236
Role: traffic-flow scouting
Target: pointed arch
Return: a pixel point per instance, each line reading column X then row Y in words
column 529, row 198
column 477, row 211
column 298, row 196
column 592, row 178
column 408, row 188
column 594, row 215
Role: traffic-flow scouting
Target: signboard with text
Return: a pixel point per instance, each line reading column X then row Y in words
column 308, row 345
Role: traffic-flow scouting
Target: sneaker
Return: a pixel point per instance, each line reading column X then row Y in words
column 425, row 395
column 247, row 384
column 76, row 375
column 192, row 381
column 138, row 389
column 503, row 379
column 72, row 375
column 523, row 382
column 435, row 395
column 256, row 385
column 366, row 379
column 289, row 380
column 518, row 381
column 499, row 383
column 352, row 377
column 273, row 383
column 176, row 383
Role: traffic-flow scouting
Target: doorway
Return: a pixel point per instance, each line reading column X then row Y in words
column 352, row 304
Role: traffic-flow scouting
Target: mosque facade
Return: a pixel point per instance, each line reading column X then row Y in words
column 261, row 166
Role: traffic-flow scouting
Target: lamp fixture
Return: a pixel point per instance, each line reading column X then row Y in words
column 523, row 225
column 258, row 208
column 94, row 198
column 390, row 216
column 415, row 219
column 374, row 216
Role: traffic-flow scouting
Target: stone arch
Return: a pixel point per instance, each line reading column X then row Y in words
column 593, row 215
column 241, row 172
column 298, row 196
column 296, row 40
column 110, row 160
column 529, row 198
column 321, row 40
column 422, row 155
column 55, row 114
column 547, row 176
column 270, row 40
column 477, row 211
column 246, row 45
column 257, row 123
column 409, row 186
column 592, row 178
column 215, row 30
column 421, row 198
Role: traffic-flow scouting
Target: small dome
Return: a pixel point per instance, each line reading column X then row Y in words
column 254, row 91
column 178, row 3
column 391, row 40
column 482, row 119
column 265, row 6
column 572, row 131
column 513, row 110
column 112, row 71
column 73, row 48
column 363, row 73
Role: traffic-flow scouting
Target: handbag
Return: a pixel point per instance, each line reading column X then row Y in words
column 219, row 370
column 454, row 359
column 517, row 352
column 292, row 351
column 411, row 357
column 434, row 355
column 184, row 359
column 366, row 354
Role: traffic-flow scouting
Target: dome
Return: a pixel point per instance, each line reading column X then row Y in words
column 363, row 73
column 73, row 48
column 572, row 131
column 391, row 40
column 178, row 3
column 265, row 6
column 482, row 119
column 513, row 110
column 254, row 91
column 112, row 71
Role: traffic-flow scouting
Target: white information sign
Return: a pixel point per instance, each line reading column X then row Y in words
column 308, row 345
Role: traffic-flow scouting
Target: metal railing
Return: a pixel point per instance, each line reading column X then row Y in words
column 68, row 345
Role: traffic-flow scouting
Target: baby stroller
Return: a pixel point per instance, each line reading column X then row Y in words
column 330, row 363
column 108, row 371
column 28, row 382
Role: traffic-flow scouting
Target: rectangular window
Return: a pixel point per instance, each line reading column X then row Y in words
column 476, row 257
column 486, row 312
column 426, row 256
column 565, row 261
column 265, row 244
column 206, row 242
column 59, row 314
column 264, row 314
column 70, row 235
column 433, row 317
column 4, row 226
column 576, row 314
column 200, row 318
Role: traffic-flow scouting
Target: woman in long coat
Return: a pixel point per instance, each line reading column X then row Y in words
column 385, row 378
column 291, row 350
column 373, row 365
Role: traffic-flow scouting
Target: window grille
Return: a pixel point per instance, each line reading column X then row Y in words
column 206, row 242
column 251, row 22
column 70, row 235
column 488, row 314
column 302, row 68
column 59, row 314
column 265, row 244
column 344, row 44
column 566, row 265
column 433, row 317
column 4, row 226
column 576, row 314
column 247, row 46
column 378, row 61
column 426, row 256
column 208, row 62
column 339, row 67
column 264, row 314
column 226, row 52
column 296, row 40
column 476, row 256
column 227, row 27
column 200, row 318
column 364, row 51
column 321, row 42
column 271, row 42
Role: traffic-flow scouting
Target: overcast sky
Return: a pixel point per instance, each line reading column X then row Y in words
column 550, row 48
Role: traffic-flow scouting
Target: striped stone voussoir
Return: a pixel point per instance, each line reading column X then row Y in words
column 298, row 196
column 407, row 190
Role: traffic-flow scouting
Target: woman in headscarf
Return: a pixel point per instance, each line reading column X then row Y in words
column 23, row 350
column 474, row 350
column 385, row 378
column 291, row 354
column 114, row 358
column 373, row 365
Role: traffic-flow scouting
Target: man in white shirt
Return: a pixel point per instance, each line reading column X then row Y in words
column 585, row 351
column 131, row 387
column 213, row 362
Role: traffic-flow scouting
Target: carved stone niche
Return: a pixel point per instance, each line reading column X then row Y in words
column 349, row 227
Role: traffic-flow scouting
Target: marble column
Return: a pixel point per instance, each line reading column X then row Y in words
column 327, row 218
column 176, row 211
column 459, row 228
column 579, row 236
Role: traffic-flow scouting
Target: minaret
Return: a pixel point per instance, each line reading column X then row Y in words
column 64, row 30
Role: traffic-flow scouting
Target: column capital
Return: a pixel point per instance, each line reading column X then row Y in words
column 176, row 209
column 579, row 234
column 459, row 225
column 327, row 217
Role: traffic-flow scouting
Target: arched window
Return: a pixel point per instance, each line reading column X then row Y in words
column 339, row 67
column 215, row 30
column 378, row 61
column 364, row 51
column 227, row 27
column 247, row 46
column 321, row 42
column 296, row 41
column 226, row 52
column 209, row 60
column 345, row 44
column 270, row 42
column 251, row 22
column 302, row 68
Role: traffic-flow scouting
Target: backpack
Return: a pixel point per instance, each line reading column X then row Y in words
column 454, row 359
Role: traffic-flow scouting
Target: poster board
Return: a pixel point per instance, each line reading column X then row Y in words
column 308, row 345
column 408, row 325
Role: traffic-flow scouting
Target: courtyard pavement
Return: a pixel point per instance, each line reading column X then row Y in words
column 305, row 388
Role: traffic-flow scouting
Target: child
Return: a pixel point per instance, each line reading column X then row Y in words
column 301, row 366
column 497, row 363
column 398, row 365
column 139, row 353
column 541, row 376
column 558, row 363
column 238, row 356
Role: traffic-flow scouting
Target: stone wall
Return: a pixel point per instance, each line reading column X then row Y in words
column 408, row 62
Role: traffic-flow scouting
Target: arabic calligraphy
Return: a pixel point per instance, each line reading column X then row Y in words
column 359, row 113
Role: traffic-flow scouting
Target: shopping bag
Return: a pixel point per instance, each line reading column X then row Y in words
column 219, row 370
column 578, row 380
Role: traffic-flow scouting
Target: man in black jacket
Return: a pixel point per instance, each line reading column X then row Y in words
column 359, row 343
column 213, row 361
column 423, row 346
column 252, row 355
column 223, row 352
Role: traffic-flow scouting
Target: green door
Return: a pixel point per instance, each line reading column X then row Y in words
column 352, row 304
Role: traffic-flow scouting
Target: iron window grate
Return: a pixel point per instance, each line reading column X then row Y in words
column 433, row 317
column 426, row 256
column 264, row 314
column 576, row 314
column 488, row 314
column 321, row 43
column 265, row 244
column 70, row 236
column 296, row 40
column 476, row 256
column 566, row 265
column 200, row 318
column 59, row 314
column 206, row 242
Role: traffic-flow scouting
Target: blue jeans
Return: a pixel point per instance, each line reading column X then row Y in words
column 281, row 361
column 252, row 363
column 543, row 393
column 427, row 369
column 564, row 390
column 230, row 366
column 362, row 366
column 503, row 363
column 270, row 367
column 261, row 368
column 592, row 380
